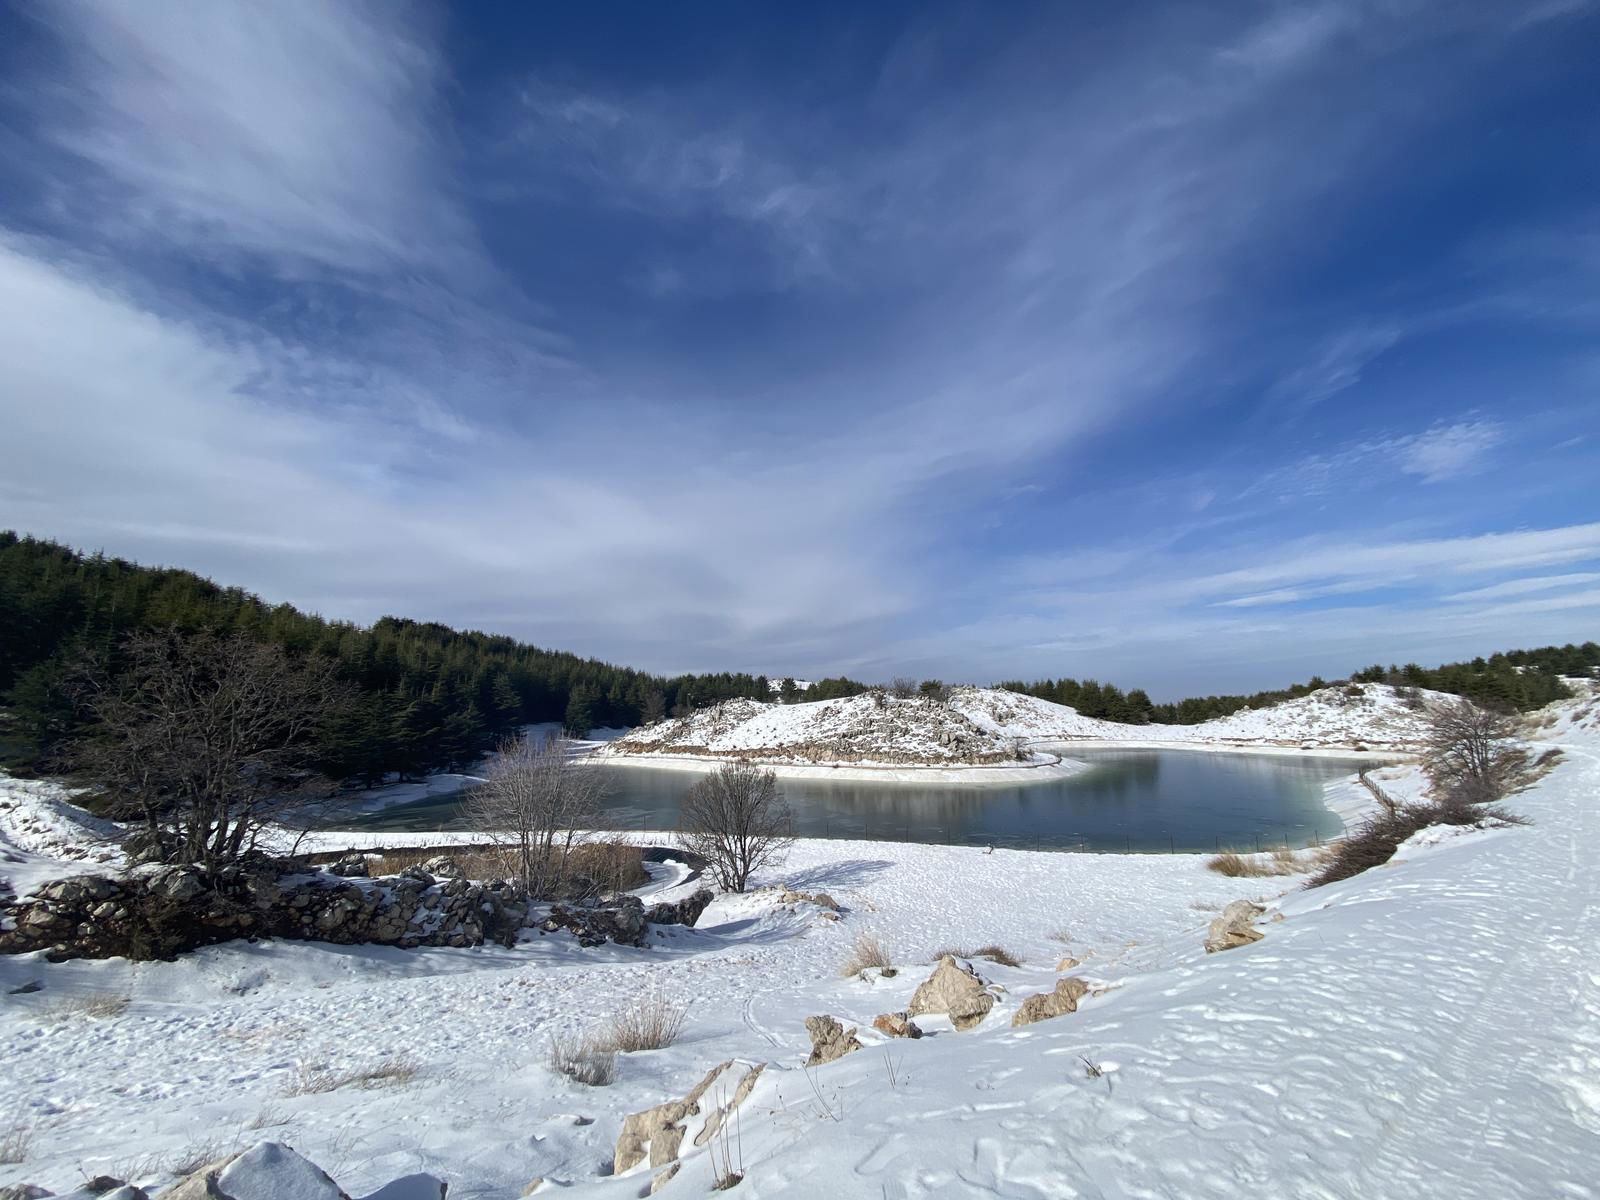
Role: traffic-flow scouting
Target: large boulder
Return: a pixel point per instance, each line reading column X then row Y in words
column 272, row 1171
column 954, row 989
column 683, row 912
column 1234, row 927
column 656, row 1134
column 829, row 1040
column 350, row 866
column 1064, row 999
column 268, row 1171
column 620, row 921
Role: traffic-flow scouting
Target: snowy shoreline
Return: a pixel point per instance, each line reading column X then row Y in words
column 1058, row 768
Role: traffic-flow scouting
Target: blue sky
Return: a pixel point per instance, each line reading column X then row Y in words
column 1198, row 347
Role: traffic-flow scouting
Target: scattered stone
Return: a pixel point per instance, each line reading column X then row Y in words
column 721, row 1113
column 829, row 1040
column 269, row 1169
column 1067, row 963
column 621, row 921
column 23, row 1191
column 442, row 866
column 956, row 989
column 896, row 1024
column 821, row 899
column 351, row 866
column 684, row 912
column 534, row 1185
column 1233, row 928
column 1064, row 999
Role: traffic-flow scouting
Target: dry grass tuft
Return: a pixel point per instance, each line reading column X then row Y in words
column 995, row 954
column 16, row 1140
column 868, row 952
column 652, row 1024
column 1281, row 861
column 613, row 866
column 96, row 1006
column 394, row 1071
column 588, row 1060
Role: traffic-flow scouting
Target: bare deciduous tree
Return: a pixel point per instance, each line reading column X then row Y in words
column 902, row 688
column 738, row 821
column 1470, row 752
column 537, row 804
column 207, row 739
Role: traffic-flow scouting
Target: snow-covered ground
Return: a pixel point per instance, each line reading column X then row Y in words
column 1428, row 1029
column 987, row 735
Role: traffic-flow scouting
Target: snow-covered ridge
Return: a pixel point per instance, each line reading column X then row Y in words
column 1370, row 716
column 981, row 729
column 872, row 729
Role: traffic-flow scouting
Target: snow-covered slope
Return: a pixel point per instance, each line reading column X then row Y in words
column 869, row 729
column 986, row 727
column 1374, row 716
column 1430, row 1029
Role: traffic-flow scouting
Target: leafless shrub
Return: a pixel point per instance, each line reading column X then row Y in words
column 206, row 740
column 97, row 1006
column 584, row 1059
column 1469, row 753
column 1064, row 936
column 902, row 688
column 534, row 805
column 1090, row 1068
column 1374, row 841
column 737, row 820
column 867, row 952
column 652, row 1024
column 394, row 1071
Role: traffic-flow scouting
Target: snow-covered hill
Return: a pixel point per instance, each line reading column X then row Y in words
column 987, row 727
column 872, row 729
column 1369, row 715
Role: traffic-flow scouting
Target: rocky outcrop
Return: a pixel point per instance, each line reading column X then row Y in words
column 955, row 989
column 621, row 920
column 1067, row 963
column 1234, row 927
column 442, row 866
column 682, row 912
column 272, row 1169
column 1063, row 999
column 656, row 1134
column 161, row 912
column 829, row 1040
column 351, row 866
column 896, row 1024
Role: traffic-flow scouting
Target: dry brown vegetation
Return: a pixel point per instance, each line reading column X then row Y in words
column 394, row 1071
column 98, row 1006
column 1472, row 760
column 612, row 866
column 585, row 1059
column 867, row 952
column 652, row 1024
column 1281, row 861
column 995, row 954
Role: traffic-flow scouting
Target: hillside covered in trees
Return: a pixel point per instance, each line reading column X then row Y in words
column 426, row 697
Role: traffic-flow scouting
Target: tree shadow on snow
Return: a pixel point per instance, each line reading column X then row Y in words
column 849, row 872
